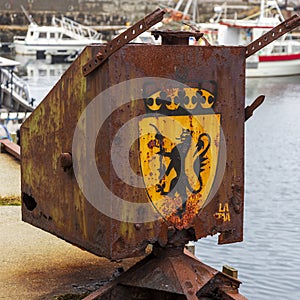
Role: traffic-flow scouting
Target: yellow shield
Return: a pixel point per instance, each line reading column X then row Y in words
column 178, row 159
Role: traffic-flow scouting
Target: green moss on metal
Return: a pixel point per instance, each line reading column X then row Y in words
column 70, row 296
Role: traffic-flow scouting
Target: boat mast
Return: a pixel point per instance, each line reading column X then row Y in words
column 28, row 16
column 262, row 11
column 195, row 9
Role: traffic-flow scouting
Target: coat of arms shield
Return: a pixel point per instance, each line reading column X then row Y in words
column 179, row 149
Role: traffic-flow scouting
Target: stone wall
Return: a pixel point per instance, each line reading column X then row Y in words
column 91, row 12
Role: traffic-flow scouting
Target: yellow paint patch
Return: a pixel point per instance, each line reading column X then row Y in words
column 179, row 156
column 223, row 212
column 191, row 95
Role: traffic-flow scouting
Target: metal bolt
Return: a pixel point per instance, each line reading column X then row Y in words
column 99, row 55
column 66, row 160
column 137, row 226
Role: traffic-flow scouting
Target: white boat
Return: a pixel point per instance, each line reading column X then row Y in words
column 62, row 56
column 8, row 63
column 145, row 37
column 63, row 35
column 280, row 58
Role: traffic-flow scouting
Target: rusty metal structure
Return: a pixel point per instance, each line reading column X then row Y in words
column 188, row 146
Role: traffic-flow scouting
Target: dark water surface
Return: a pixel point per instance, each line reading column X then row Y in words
column 268, row 260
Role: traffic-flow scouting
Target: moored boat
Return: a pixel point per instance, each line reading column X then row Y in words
column 281, row 58
column 62, row 56
column 284, row 62
column 63, row 35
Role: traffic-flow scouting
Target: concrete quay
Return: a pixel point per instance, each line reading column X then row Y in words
column 10, row 176
column 36, row 265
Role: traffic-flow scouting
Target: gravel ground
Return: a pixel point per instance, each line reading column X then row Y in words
column 36, row 265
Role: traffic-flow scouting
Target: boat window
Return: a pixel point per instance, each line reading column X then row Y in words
column 31, row 33
column 147, row 39
column 279, row 49
column 42, row 72
column 52, row 35
column 43, row 35
column 296, row 48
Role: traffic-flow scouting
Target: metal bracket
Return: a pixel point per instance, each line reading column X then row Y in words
column 272, row 35
column 128, row 35
column 255, row 104
column 169, row 37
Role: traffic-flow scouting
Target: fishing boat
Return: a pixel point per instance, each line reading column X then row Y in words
column 68, row 56
column 280, row 58
column 64, row 35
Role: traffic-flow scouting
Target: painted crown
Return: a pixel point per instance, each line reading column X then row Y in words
column 180, row 101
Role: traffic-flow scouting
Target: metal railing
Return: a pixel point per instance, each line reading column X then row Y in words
column 76, row 30
column 15, row 86
column 13, row 82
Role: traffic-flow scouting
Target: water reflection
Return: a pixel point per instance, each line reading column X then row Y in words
column 268, row 260
column 41, row 75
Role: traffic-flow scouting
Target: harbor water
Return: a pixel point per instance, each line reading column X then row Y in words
column 268, row 260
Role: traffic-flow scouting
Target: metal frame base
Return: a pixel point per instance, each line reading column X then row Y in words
column 170, row 273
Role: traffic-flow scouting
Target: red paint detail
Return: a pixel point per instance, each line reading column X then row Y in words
column 244, row 26
column 279, row 57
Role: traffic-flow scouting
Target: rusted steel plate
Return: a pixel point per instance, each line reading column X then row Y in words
column 170, row 275
column 207, row 82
